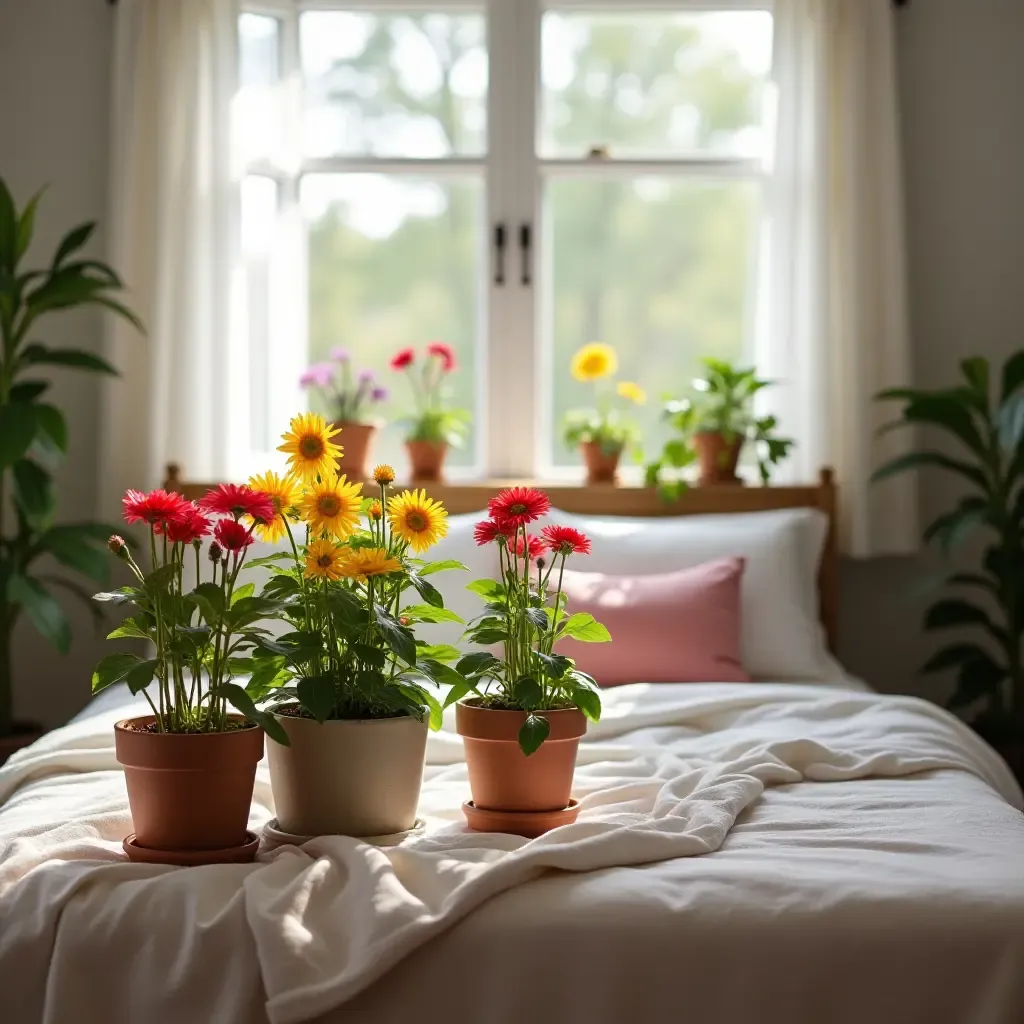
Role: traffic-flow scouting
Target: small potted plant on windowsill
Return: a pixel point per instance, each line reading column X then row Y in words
column 345, row 681
column 713, row 427
column 602, row 433
column 435, row 425
column 522, row 727
column 348, row 398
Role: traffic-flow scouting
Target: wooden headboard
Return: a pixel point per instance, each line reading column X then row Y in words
column 643, row 501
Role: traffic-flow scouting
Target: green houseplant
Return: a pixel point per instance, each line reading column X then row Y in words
column 34, row 435
column 712, row 428
column 988, row 431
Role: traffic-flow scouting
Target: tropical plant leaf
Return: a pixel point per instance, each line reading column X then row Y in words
column 918, row 460
column 28, row 390
column 72, row 357
column 443, row 675
column 33, row 492
column 43, row 610
column 978, row 678
column 73, row 241
column 139, row 677
column 952, row 528
column 976, row 373
column 74, row 550
column 1010, row 420
column 972, row 579
column 8, row 228
column 527, row 692
column 17, row 431
column 953, row 612
column 317, row 696
column 950, row 410
column 953, row 655
column 112, row 669
column 477, row 663
column 26, row 226
column 533, row 732
column 1013, row 374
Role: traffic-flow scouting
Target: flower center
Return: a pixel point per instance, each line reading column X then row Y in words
column 329, row 505
column 311, row 446
column 519, row 509
column 416, row 521
column 324, row 561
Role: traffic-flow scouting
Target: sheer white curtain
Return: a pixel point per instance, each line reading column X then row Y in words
column 174, row 234
column 834, row 325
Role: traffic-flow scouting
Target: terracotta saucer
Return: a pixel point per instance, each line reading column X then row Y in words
column 528, row 824
column 190, row 858
column 273, row 834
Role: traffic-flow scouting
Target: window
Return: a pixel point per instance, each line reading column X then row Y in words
column 617, row 148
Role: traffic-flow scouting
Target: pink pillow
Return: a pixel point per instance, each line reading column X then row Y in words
column 674, row 627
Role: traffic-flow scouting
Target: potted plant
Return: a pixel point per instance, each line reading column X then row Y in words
column 34, row 436
column 345, row 682
column 348, row 398
column 190, row 765
column 435, row 425
column 601, row 433
column 713, row 426
column 529, row 709
column 985, row 422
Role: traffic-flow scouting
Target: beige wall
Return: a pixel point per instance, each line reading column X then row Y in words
column 961, row 77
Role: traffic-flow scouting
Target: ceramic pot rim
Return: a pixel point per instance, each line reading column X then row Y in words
column 482, row 723
column 189, row 751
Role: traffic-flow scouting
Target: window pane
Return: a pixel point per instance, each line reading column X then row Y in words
column 257, row 105
column 397, row 84
column 393, row 262
column 654, row 83
column 661, row 269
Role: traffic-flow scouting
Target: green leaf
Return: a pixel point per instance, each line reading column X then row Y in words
column 270, row 560
column 954, row 612
column 26, row 226
column 120, row 596
column 43, row 610
column 971, row 579
column 583, row 626
column 975, row 371
column 17, row 431
column 950, row 410
column 245, row 590
column 436, row 718
column 527, row 692
column 457, row 692
column 72, row 548
column 158, row 580
column 28, row 390
column 443, row 675
column 428, row 568
column 247, row 610
column 489, row 590
column 437, row 652
column 243, row 703
column 429, row 613
column 72, row 241
column 1011, row 423
column 533, row 732
column 556, row 665
column 978, row 678
column 399, row 638
column 73, row 357
column 51, row 424
column 112, row 669
column 369, row 655
column 317, row 696
column 426, row 590
column 588, row 702
column 955, row 654
column 488, row 635
column 1013, row 374
column 952, row 528
column 477, row 663
column 209, row 599
column 141, row 675
column 130, row 629
column 917, row 460
column 8, row 228
column 538, row 617
column 33, row 493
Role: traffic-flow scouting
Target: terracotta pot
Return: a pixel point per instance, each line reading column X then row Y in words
column 501, row 776
column 23, row 734
column 426, row 459
column 350, row 777
column 602, row 465
column 189, row 791
column 355, row 440
column 717, row 457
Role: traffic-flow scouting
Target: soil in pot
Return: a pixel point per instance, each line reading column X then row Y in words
column 601, row 463
column 426, row 460
column 356, row 440
column 349, row 777
column 717, row 457
column 22, row 734
column 188, row 791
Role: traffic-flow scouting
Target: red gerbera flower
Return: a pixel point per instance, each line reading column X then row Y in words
column 443, row 351
column 403, row 358
column 191, row 527
column 534, row 546
column 565, row 540
column 156, row 508
column 517, row 506
column 239, row 500
column 232, row 535
column 488, row 530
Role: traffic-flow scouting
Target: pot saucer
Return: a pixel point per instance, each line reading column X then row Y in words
column 528, row 824
column 190, row 858
column 273, row 834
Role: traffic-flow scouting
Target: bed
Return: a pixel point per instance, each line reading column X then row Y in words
column 791, row 849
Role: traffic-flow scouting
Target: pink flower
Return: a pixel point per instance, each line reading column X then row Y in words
column 339, row 354
column 403, row 358
column 319, row 375
column 443, row 351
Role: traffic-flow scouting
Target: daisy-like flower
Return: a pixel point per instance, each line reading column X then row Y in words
column 517, row 506
column 383, row 474
column 332, row 505
column 566, row 540
column 631, row 391
column 362, row 563
column 534, row 546
column 594, row 361
column 376, row 510
column 238, row 500
column 285, row 494
column 309, row 448
column 487, row 530
column 403, row 358
column 158, row 508
column 324, row 560
column 193, row 526
column 232, row 535
column 443, row 351
column 319, row 375
column 418, row 520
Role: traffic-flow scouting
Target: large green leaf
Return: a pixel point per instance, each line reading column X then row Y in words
column 26, row 226
column 1013, row 374
column 209, row 599
column 33, row 492
column 74, row 548
column 583, row 626
column 426, row 590
column 112, row 669
column 533, row 732
column 917, row 460
column 437, row 652
column 73, row 357
column 43, row 610
column 954, row 612
column 398, row 637
column 17, row 431
column 441, row 566
column 976, row 373
column 8, row 228
column 317, row 696
column 477, row 663
column 952, row 528
column 51, row 425
column 555, row 665
column 28, row 390
column 950, row 410
column 139, row 677
column 1011, row 423
column 441, row 674
column 72, row 241
column 588, row 702
column 527, row 692
column 429, row 613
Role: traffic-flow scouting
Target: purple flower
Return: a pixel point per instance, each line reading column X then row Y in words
column 379, row 394
column 319, row 375
column 339, row 354
column 366, row 376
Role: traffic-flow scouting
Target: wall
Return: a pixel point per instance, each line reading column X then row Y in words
column 960, row 77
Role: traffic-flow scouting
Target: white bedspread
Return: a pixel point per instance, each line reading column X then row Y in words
column 939, row 855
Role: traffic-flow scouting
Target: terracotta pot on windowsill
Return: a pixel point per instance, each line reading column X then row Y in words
column 355, row 439
column 426, row 460
column 717, row 457
column 602, row 464
column 22, row 734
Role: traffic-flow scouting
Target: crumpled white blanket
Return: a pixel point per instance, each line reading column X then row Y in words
column 86, row 936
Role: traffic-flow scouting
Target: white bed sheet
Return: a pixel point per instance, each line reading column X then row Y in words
column 896, row 894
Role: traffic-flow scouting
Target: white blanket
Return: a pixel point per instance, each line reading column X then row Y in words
column 85, row 936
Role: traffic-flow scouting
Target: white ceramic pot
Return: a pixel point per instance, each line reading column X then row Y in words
column 356, row 777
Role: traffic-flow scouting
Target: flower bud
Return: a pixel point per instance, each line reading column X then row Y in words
column 118, row 546
column 376, row 510
column 404, row 620
column 215, row 552
column 540, row 563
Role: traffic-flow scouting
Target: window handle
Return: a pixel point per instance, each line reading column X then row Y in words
column 499, row 252
column 524, row 250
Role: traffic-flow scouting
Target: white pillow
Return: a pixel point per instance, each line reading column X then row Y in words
column 782, row 636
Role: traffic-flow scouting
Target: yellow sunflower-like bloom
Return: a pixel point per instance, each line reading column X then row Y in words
column 331, row 506
column 384, row 474
column 375, row 510
column 285, row 493
column 324, row 560
column 631, row 391
column 417, row 519
column 365, row 562
column 594, row 361
column 308, row 447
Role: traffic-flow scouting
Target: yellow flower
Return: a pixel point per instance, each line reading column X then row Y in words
column 631, row 391
column 417, row 519
column 384, row 474
column 324, row 560
column 285, row 494
column 594, row 361
column 375, row 510
column 364, row 562
column 332, row 505
column 308, row 446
